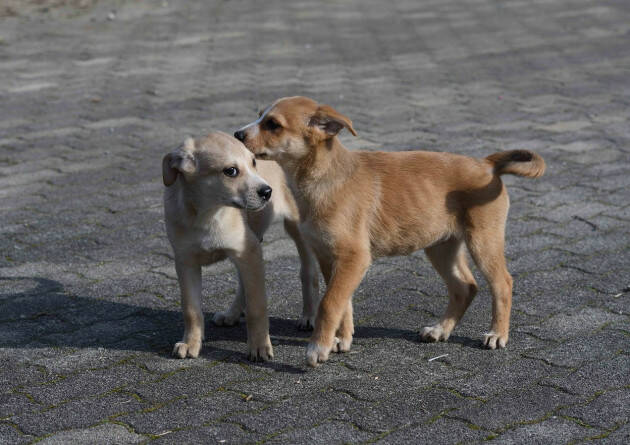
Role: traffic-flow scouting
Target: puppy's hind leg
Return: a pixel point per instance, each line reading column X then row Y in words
column 487, row 249
column 189, row 276
column 308, row 276
column 233, row 314
column 449, row 259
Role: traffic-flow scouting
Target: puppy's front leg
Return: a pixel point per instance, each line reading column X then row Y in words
column 250, row 267
column 348, row 271
column 232, row 315
column 189, row 276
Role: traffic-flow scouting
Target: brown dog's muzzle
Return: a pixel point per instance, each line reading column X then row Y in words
column 240, row 135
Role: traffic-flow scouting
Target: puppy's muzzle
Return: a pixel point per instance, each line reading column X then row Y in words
column 240, row 135
column 265, row 193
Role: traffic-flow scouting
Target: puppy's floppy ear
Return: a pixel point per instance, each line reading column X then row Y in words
column 178, row 161
column 330, row 121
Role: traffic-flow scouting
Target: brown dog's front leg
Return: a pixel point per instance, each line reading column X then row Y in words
column 348, row 271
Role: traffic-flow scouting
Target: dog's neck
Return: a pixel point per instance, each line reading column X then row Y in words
column 320, row 173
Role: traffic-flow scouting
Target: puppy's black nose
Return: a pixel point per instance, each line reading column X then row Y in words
column 240, row 135
column 265, row 193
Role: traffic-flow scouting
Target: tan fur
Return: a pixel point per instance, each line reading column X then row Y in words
column 211, row 216
column 361, row 205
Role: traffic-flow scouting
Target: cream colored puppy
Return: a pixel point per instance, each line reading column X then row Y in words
column 361, row 205
column 218, row 204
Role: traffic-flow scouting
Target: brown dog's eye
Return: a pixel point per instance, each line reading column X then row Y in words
column 271, row 124
column 232, row 172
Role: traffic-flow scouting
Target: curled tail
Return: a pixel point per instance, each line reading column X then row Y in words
column 517, row 162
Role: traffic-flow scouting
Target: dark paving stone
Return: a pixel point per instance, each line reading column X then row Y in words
column 441, row 431
column 515, row 406
column 594, row 377
column 605, row 411
column 75, row 414
column 215, row 433
column 551, row 431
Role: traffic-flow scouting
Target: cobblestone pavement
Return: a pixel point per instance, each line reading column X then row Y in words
column 93, row 94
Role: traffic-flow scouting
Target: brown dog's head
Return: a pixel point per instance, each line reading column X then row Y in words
column 291, row 127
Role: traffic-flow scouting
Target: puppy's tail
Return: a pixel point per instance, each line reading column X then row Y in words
column 517, row 162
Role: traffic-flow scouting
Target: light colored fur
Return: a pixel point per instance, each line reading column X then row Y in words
column 361, row 205
column 210, row 216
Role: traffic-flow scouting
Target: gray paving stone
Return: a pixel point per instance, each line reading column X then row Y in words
column 215, row 433
column 512, row 407
column 551, row 431
column 619, row 436
column 325, row 433
column 441, row 431
column 101, row 434
column 75, row 414
column 605, row 411
column 12, row 435
column 188, row 412
column 594, row 377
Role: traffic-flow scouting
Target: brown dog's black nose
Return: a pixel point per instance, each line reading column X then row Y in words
column 240, row 135
column 265, row 193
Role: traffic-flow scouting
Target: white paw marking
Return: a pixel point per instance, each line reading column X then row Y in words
column 434, row 333
column 316, row 354
column 183, row 350
column 492, row 340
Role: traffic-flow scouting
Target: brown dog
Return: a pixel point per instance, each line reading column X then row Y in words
column 356, row 206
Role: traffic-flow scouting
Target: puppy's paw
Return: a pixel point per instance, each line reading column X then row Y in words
column 260, row 351
column 306, row 323
column 190, row 349
column 342, row 344
column 316, row 353
column 225, row 318
column 435, row 333
column 492, row 340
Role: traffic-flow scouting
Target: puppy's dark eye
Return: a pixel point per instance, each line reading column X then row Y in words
column 232, row 172
column 254, row 162
column 271, row 124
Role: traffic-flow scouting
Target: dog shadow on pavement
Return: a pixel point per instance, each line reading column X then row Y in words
column 36, row 312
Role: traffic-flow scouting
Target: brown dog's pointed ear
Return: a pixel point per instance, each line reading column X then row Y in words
column 330, row 121
column 179, row 161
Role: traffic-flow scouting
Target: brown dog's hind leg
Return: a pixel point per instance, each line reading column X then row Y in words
column 486, row 245
column 308, row 276
column 449, row 259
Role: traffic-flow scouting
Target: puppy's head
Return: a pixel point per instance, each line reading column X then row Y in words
column 291, row 127
column 216, row 170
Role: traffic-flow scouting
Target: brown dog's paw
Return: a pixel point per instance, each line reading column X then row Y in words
column 260, row 351
column 306, row 323
column 492, row 340
column 316, row 354
column 435, row 333
column 183, row 350
column 342, row 344
column 225, row 318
